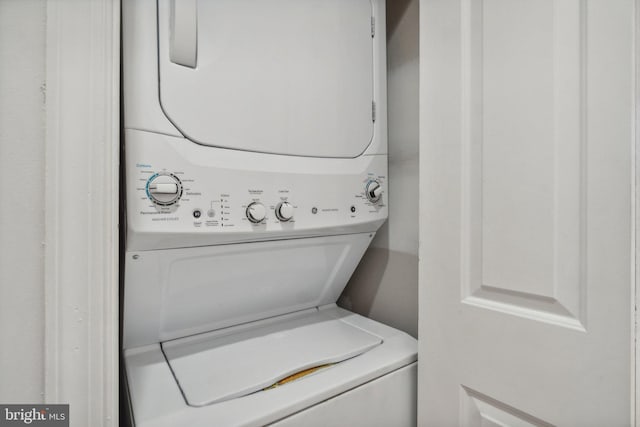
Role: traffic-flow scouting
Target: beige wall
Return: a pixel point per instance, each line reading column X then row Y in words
column 22, row 76
column 385, row 284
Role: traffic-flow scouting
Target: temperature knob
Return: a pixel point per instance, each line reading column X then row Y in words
column 256, row 212
column 284, row 211
column 374, row 191
column 164, row 189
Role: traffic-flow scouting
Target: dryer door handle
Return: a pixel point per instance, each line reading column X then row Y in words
column 183, row 45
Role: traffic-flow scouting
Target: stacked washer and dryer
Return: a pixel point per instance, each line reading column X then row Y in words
column 256, row 177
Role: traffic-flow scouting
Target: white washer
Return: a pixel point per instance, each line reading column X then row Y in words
column 256, row 177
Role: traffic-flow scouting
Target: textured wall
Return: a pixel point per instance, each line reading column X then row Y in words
column 385, row 284
column 22, row 115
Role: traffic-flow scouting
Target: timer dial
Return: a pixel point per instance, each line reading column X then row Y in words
column 374, row 191
column 164, row 189
column 284, row 211
column 256, row 212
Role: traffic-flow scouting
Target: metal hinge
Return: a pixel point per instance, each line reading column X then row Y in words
column 373, row 26
column 373, row 111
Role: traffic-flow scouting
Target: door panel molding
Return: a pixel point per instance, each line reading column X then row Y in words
column 635, row 215
column 81, row 215
column 479, row 410
column 532, row 210
column 527, row 116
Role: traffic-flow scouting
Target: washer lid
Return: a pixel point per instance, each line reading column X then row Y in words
column 275, row 76
column 219, row 366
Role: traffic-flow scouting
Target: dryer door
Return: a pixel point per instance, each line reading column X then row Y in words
column 275, row 76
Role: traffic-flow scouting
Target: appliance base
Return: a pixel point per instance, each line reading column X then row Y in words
column 377, row 387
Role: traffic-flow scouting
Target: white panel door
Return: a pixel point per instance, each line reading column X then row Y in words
column 527, row 128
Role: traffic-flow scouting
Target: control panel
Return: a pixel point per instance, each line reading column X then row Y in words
column 181, row 198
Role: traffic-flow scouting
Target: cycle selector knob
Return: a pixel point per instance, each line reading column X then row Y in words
column 284, row 211
column 164, row 189
column 374, row 191
column 256, row 212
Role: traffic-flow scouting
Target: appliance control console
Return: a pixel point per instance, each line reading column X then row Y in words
column 188, row 195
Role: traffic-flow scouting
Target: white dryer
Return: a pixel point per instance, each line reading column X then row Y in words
column 256, row 177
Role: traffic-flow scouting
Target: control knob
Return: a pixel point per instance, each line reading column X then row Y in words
column 374, row 191
column 256, row 212
column 284, row 211
column 164, row 189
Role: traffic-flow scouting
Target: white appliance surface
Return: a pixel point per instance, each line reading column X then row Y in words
column 256, row 171
column 324, row 130
column 178, row 292
column 280, row 76
column 219, row 366
column 327, row 196
column 388, row 401
column 157, row 400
